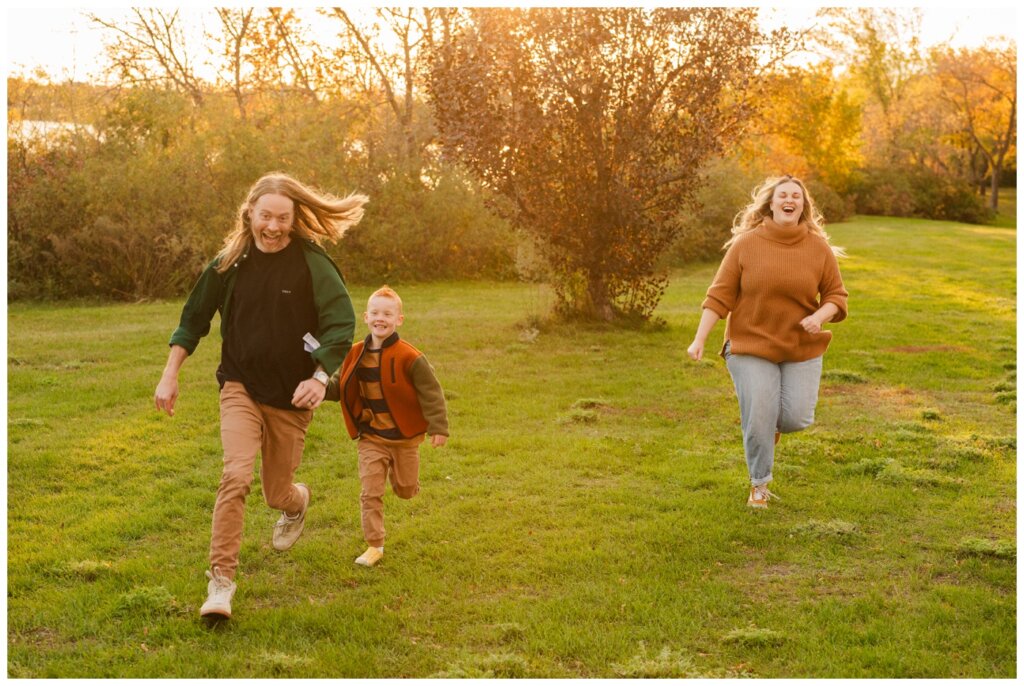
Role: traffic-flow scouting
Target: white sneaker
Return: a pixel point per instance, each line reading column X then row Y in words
column 288, row 529
column 220, row 591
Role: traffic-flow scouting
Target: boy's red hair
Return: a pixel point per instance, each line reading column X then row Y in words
column 385, row 291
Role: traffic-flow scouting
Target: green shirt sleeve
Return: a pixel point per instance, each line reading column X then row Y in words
column 431, row 397
column 336, row 320
column 199, row 309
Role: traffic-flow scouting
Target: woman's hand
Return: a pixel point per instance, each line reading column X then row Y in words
column 708, row 319
column 811, row 324
column 437, row 440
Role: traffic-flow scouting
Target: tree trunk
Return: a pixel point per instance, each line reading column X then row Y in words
column 994, row 198
column 600, row 305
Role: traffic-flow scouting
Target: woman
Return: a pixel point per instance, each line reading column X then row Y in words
column 778, row 283
column 286, row 324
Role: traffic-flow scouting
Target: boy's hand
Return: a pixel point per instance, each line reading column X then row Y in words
column 437, row 441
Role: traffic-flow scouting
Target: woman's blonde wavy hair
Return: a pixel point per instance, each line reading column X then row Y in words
column 751, row 217
column 318, row 216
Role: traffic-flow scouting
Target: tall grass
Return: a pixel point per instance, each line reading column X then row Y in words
column 586, row 519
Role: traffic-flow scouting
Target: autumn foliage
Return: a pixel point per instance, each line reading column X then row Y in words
column 593, row 126
column 596, row 148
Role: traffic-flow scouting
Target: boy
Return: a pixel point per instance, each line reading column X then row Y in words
column 390, row 398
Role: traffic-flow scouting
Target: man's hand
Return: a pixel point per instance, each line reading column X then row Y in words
column 309, row 394
column 166, row 394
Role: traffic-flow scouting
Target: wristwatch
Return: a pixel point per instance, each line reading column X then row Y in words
column 321, row 376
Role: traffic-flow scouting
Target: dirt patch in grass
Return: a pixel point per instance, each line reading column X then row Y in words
column 1006, row 505
column 40, row 636
column 792, row 583
column 663, row 412
column 871, row 397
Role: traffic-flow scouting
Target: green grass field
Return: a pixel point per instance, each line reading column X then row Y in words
column 587, row 518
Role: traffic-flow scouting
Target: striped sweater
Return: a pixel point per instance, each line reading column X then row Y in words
column 392, row 392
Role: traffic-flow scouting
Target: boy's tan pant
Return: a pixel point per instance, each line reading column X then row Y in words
column 247, row 428
column 378, row 458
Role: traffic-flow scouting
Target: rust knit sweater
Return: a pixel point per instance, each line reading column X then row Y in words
column 769, row 280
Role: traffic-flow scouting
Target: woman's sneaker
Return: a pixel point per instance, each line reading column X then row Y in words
column 219, row 591
column 759, row 497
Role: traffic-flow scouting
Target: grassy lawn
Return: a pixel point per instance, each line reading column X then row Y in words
column 1007, row 214
column 587, row 518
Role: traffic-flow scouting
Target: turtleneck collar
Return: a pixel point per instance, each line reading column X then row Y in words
column 786, row 235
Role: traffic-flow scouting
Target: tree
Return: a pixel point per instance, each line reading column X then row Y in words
column 593, row 124
column 812, row 123
column 882, row 48
column 236, row 25
column 394, row 73
column 151, row 49
column 980, row 85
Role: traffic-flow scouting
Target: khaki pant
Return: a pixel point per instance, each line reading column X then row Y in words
column 377, row 459
column 247, row 428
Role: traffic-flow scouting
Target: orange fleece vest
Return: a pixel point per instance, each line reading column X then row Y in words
column 396, row 360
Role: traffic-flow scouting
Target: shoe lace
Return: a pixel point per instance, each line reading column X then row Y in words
column 768, row 495
column 287, row 519
column 220, row 582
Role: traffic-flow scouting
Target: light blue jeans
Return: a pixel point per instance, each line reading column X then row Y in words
column 773, row 397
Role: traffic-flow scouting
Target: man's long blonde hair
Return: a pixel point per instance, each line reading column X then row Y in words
column 754, row 214
column 318, row 216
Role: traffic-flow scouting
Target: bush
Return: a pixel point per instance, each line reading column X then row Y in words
column 137, row 209
column 703, row 229
column 414, row 233
column 918, row 193
column 833, row 207
column 45, row 197
column 727, row 189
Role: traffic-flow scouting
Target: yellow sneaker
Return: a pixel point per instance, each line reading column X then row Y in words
column 371, row 557
column 759, row 497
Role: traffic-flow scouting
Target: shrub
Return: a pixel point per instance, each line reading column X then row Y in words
column 704, row 228
column 726, row 190
column 916, row 192
column 834, row 207
column 414, row 233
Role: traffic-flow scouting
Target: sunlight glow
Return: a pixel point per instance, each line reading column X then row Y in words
column 67, row 45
